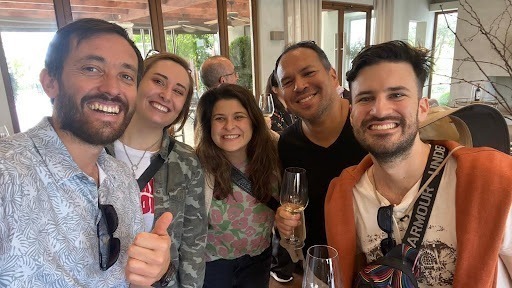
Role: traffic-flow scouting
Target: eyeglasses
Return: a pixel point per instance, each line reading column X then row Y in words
column 385, row 221
column 232, row 73
column 110, row 247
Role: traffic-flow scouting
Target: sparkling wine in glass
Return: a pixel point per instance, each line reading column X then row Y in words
column 266, row 104
column 294, row 198
column 322, row 268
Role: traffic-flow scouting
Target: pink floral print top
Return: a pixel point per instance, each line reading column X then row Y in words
column 238, row 225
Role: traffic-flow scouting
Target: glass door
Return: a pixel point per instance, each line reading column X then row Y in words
column 354, row 39
column 26, row 29
column 354, row 22
column 330, row 41
column 444, row 47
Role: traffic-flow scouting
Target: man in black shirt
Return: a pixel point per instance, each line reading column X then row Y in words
column 321, row 141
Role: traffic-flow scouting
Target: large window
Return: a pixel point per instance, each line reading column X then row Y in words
column 192, row 33
column 444, row 45
column 189, row 28
column 24, row 64
column 26, row 30
column 345, row 31
column 240, row 40
column 131, row 15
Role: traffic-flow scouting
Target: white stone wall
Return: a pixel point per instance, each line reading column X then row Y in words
column 479, row 47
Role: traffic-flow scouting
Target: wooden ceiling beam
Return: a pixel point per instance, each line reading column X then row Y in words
column 195, row 11
column 25, row 14
column 99, row 10
column 28, row 1
column 26, row 6
column 110, row 4
column 179, row 4
column 108, row 7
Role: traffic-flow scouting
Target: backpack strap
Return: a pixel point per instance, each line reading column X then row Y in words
column 154, row 166
column 423, row 206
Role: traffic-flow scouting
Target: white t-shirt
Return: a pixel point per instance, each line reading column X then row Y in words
column 146, row 195
column 438, row 253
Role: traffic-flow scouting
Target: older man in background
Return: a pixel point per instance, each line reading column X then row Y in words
column 217, row 70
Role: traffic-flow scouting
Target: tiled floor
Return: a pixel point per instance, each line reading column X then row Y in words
column 295, row 283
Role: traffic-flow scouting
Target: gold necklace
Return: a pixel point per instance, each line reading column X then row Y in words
column 134, row 167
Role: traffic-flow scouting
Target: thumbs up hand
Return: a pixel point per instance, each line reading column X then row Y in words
column 149, row 255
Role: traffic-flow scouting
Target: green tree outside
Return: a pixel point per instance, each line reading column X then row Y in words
column 194, row 47
column 241, row 56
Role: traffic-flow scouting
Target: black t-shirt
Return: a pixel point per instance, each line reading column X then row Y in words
column 322, row 165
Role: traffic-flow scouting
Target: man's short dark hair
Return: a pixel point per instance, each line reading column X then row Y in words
column 308, row 45
column 396, row 52
column 79, row 30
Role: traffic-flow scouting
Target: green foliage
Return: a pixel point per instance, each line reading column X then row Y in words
column 144, row 45
column 137, row 38
column 241, row 56
column 445, row 39
column 354, row 49
column 444, row 99
column 194, row 47
column 20, row 76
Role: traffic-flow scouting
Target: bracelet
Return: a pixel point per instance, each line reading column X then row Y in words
column 167, row 277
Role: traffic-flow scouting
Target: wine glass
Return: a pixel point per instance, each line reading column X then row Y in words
column 322, row 268
column 294, row 198
column 266, row 104
column 3, row 131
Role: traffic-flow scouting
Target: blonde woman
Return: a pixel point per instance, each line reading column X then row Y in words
column 163, row 100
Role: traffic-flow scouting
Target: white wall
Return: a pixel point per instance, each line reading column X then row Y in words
column 412, row 10
column 479, row 47
column 269, row 19
column 5, row 115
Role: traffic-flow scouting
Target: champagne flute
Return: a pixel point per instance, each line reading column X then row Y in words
column 3, row 131
column 294, row 198
column 266, row 104
column 322, row 268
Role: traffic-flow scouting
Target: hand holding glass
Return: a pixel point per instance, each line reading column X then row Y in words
column 322, row 268
column 266, row 104
column 294, row 196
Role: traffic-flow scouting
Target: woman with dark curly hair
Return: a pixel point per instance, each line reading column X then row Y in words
column 233, row 140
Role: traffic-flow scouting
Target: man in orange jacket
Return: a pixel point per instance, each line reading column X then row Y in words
column 468, row 239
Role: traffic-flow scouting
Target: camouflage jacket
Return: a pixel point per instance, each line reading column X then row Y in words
column 179, row 187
